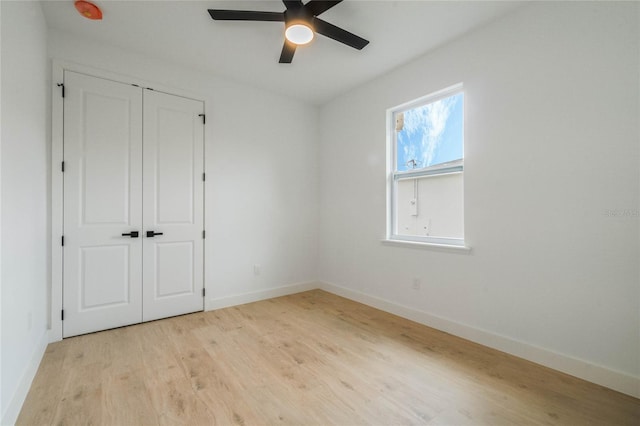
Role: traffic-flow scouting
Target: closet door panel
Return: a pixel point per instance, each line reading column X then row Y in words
column 102, row 200
column 176, row 165
column 173, row 205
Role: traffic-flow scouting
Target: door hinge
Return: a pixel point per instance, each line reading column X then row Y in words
column 62, row 314
column 62, row 168
column 203, row 177
column 203, row 234
column 62, row 240
column 204, row 118
column 204, row 292
column 61, row 85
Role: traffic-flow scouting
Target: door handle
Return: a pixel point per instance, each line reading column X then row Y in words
column 132, row 234
column 151, row 234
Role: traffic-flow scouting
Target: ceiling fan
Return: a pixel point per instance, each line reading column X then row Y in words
column 301, row 22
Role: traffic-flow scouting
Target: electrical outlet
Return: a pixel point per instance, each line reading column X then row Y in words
column 416, row 284
column 256, row 269
column 29, row 321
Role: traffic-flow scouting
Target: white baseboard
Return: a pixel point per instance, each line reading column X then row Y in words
column 597, row 374
column 256, row 296
column 12, row 410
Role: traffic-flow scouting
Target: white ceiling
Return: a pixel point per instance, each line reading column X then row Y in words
column 248, row 52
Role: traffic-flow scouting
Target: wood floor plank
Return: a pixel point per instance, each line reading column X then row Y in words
column 44, row 394
column 81, row 397
column 212, row 383
column 126, row 400
column 310, row 358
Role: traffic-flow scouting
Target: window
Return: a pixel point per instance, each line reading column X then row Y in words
column 426, row 164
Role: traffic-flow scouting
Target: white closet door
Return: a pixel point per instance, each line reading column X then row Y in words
column 102, row 200
column 173, row 205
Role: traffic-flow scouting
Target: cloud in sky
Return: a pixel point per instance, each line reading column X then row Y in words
column 427, row 123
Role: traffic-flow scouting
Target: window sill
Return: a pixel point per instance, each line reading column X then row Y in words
column 431, row 246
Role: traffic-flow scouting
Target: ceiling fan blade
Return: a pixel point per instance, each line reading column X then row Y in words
column 316, row 7
column 287, row 52
column 338, row 34
column 245, row 15
column 293, row 4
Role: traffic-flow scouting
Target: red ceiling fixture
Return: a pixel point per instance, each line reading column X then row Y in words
column 88, row 10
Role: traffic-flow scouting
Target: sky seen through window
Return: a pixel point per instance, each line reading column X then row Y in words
column 431, row 134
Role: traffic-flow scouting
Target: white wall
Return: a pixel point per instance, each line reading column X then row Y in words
column 1, row 404
column 552, row 145
column 261, row 161
column 24, row 171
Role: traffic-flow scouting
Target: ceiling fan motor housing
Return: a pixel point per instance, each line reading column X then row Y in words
column 298, row 16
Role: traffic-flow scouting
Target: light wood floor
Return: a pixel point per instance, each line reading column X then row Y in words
column 307, row 359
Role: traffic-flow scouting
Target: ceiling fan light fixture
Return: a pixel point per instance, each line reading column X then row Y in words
column 299, row 33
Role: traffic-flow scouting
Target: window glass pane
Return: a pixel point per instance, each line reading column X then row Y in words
column 430, row 134
column 430, row 206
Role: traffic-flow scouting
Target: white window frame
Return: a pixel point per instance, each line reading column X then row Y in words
column 393, row 176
